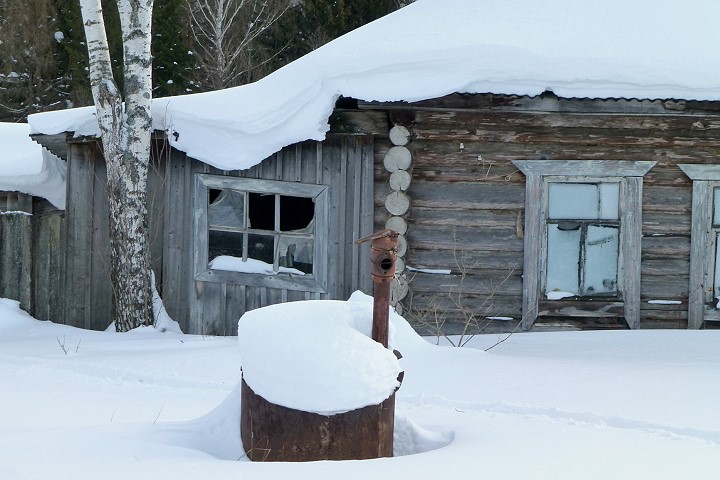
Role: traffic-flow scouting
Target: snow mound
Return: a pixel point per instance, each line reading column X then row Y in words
column 410, row 438
column 162, row 320
column 12, row 316
column 316, row 356
column 403, row 337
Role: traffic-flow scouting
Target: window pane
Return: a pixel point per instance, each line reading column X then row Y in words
column 609, row 201
column 226, row 209
column 563, row 258
column 716, row 209
column 261, row 211
column 261, row 247
column 601, row 256
column 224, row 243
column 296, row 252
column 296, row 213
column 573, row 201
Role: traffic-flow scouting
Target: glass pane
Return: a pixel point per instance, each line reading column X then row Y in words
column 609, row 201
column 573, row 201
column 716, row 202
column 226, row 209
column 296, row 214
column 563, row 258
column 224, row 243
column 296, row 252
column 261, row 247
column 601, row 257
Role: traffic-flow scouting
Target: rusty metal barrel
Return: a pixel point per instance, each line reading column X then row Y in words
column 272, row 432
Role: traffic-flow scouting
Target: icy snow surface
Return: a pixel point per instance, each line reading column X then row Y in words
column 27, row 167
column 542, row 406
column 614, row 48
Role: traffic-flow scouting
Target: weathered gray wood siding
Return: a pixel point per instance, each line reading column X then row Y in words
column 467, row 198
column 343, row 162
column 15, row 259
column 88, row 294
column 48, row 265
column 31, row 259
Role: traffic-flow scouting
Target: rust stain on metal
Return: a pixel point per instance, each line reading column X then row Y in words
column 383, row 255
column 273, row 433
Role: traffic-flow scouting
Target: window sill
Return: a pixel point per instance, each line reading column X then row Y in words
column 582, row 307
column 282, row 281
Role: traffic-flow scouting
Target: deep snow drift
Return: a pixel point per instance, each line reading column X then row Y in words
column 80, row 405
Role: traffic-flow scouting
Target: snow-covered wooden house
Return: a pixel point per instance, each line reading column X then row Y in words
column 547, row 165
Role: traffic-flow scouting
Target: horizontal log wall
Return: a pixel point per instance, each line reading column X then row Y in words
column 467, row 199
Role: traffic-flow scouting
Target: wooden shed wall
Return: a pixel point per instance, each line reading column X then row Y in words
column 467, row 198
column 31, row 259
column 344, row 162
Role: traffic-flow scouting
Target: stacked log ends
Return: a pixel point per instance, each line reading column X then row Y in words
column 398, row 161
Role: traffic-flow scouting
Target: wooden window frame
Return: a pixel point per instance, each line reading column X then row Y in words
column 702, row 243
column 539, row 174
column 317, row 282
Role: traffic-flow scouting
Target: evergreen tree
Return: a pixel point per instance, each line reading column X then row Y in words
column 173, row 61
column 28, row 81
column 313, row 23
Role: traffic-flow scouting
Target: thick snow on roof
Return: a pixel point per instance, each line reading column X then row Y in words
column 615, row 48
column 27, row 167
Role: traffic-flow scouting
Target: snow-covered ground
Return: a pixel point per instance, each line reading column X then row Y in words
column 79, row 405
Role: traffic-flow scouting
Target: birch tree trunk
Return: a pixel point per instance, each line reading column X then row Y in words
column 125, row 135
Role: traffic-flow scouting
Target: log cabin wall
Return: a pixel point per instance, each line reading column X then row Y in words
column 467, row 199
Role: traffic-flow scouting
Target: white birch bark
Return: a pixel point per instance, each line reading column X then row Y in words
column 125, row 136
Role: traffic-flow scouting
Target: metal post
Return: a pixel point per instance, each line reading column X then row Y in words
column 383, row 248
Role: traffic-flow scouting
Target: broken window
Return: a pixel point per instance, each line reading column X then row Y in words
column 260, row 233
column 273, row 228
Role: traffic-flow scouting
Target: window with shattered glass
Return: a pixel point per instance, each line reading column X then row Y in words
column 583, row 239
column 271, row 227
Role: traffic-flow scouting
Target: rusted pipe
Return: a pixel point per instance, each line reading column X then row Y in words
column 383, row 248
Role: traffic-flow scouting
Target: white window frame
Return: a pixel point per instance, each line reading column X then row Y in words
column 539, row 173
column 317, row 282
column 702, row 243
